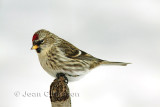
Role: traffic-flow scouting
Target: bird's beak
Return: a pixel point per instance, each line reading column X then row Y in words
column 34, row 47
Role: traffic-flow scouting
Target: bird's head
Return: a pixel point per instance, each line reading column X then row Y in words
column 41, row 40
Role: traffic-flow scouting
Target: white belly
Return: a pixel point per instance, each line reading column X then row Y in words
column 53, row 72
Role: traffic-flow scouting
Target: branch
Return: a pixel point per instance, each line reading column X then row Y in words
column 59, row 93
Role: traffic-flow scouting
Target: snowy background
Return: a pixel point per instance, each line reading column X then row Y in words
column 115, row 30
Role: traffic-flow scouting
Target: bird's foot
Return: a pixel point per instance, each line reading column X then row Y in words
column 62, row 75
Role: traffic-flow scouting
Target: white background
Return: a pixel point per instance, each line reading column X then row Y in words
column 125, row 30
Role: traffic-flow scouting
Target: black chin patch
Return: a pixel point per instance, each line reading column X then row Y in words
column 38, row 50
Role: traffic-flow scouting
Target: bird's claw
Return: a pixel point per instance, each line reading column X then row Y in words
column 62, row 75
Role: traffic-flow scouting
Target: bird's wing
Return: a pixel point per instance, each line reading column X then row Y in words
column 71, row 51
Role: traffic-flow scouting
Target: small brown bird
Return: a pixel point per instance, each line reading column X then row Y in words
column 58, row 56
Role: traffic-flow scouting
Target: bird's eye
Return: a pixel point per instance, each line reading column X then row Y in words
column 40, row 42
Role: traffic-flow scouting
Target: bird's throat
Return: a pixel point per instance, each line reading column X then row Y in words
column 38, row 50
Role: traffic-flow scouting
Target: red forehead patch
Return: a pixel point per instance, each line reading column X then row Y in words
column 35, row 37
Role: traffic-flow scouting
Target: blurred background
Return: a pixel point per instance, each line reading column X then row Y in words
column 126, row 30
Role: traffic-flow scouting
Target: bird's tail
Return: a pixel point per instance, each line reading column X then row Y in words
column 114, row 63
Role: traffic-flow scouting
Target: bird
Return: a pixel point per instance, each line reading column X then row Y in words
column 59, row 57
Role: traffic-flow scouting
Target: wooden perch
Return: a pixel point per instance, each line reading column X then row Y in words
column 59, row 93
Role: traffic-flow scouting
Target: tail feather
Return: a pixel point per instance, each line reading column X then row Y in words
column 114, row 63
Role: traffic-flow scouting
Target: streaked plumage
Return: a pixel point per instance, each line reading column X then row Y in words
column 59, row 56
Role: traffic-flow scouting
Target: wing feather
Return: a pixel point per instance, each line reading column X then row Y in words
column 71, row 51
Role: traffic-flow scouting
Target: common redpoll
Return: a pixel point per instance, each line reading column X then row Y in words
column 58, row 56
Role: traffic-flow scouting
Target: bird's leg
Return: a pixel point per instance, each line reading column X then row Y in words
column 58, row 75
